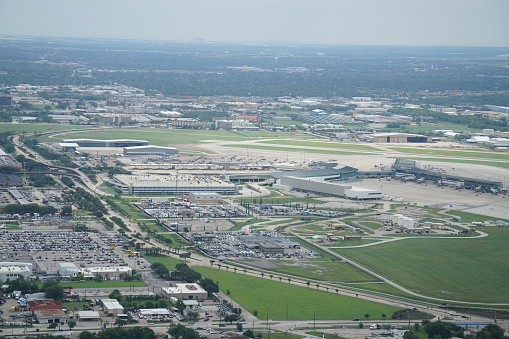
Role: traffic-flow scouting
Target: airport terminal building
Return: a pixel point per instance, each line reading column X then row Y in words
column 150, row 150
column 106, row 143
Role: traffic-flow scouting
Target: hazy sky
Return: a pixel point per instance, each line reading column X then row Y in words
column 360, row 22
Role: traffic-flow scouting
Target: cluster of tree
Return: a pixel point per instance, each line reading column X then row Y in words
column 181, row 331
column 22, row 285
column 138, row 301
column 443, row 330
column 209, row 286
column 120, row 333
column 205, row 115
column 52, row 289
column 6, row 142
column 29, row 208
column 161, row 270
column 46, row 153
column 120, row 223
column 470, row 100
column 90, row 172
column 162, row 238
column 206, row 70
column 472, row 121
column 42, row 180
column 88, row 201
column 67, row 181
column 186, row 273
column 30, row 165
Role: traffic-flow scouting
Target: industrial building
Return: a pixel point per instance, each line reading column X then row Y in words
column 48, row 316
column 68, row 270
column 185, row 291
column 112, row 306
column 400, row 138
column 410, row 167
column 8, row 273
column 150, row 150
column 68, row 146
column 205, row 197
column 320, row 186
column 172, row 184
column 107, row 143
column 231, row 124
column 108, row 273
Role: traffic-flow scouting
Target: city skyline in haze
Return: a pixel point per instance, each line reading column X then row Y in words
column 337, row 22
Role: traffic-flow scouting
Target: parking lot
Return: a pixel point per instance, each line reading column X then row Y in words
column 171, row 210
column 243, row 245
column 47, row 249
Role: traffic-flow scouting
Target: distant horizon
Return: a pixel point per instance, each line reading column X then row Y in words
column 469, row 23
column 254, row 43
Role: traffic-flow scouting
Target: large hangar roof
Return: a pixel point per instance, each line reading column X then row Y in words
column 314, row 173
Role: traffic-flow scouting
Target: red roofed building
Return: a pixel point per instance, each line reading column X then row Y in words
column 252, row 118
column 44, row 305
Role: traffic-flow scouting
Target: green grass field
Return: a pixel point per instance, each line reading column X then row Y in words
column 270, row 298
column 324, row 271
column 323, row 144
column 169, row 262
column 292, row 149
column 458, row 269
column 163, row 137
column 470, row 217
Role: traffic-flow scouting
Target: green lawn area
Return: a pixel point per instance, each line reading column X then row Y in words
column 163, row 137
column 344, row 243
column 371, row 224
column 169, row 262
column 323, row 144
column 271, row 298
column 277, row 335
column 459, row 269
column 469, row 217
column 325, row 271
column 103, row 284
column 292, row 149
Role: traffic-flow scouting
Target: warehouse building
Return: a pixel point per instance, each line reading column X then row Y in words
column 150, row 150
column 205, row 197
column 171, row 184
column 400, row 138
column 48, row 316
column 8, row 273
column 107, row 143
column 112, row 306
